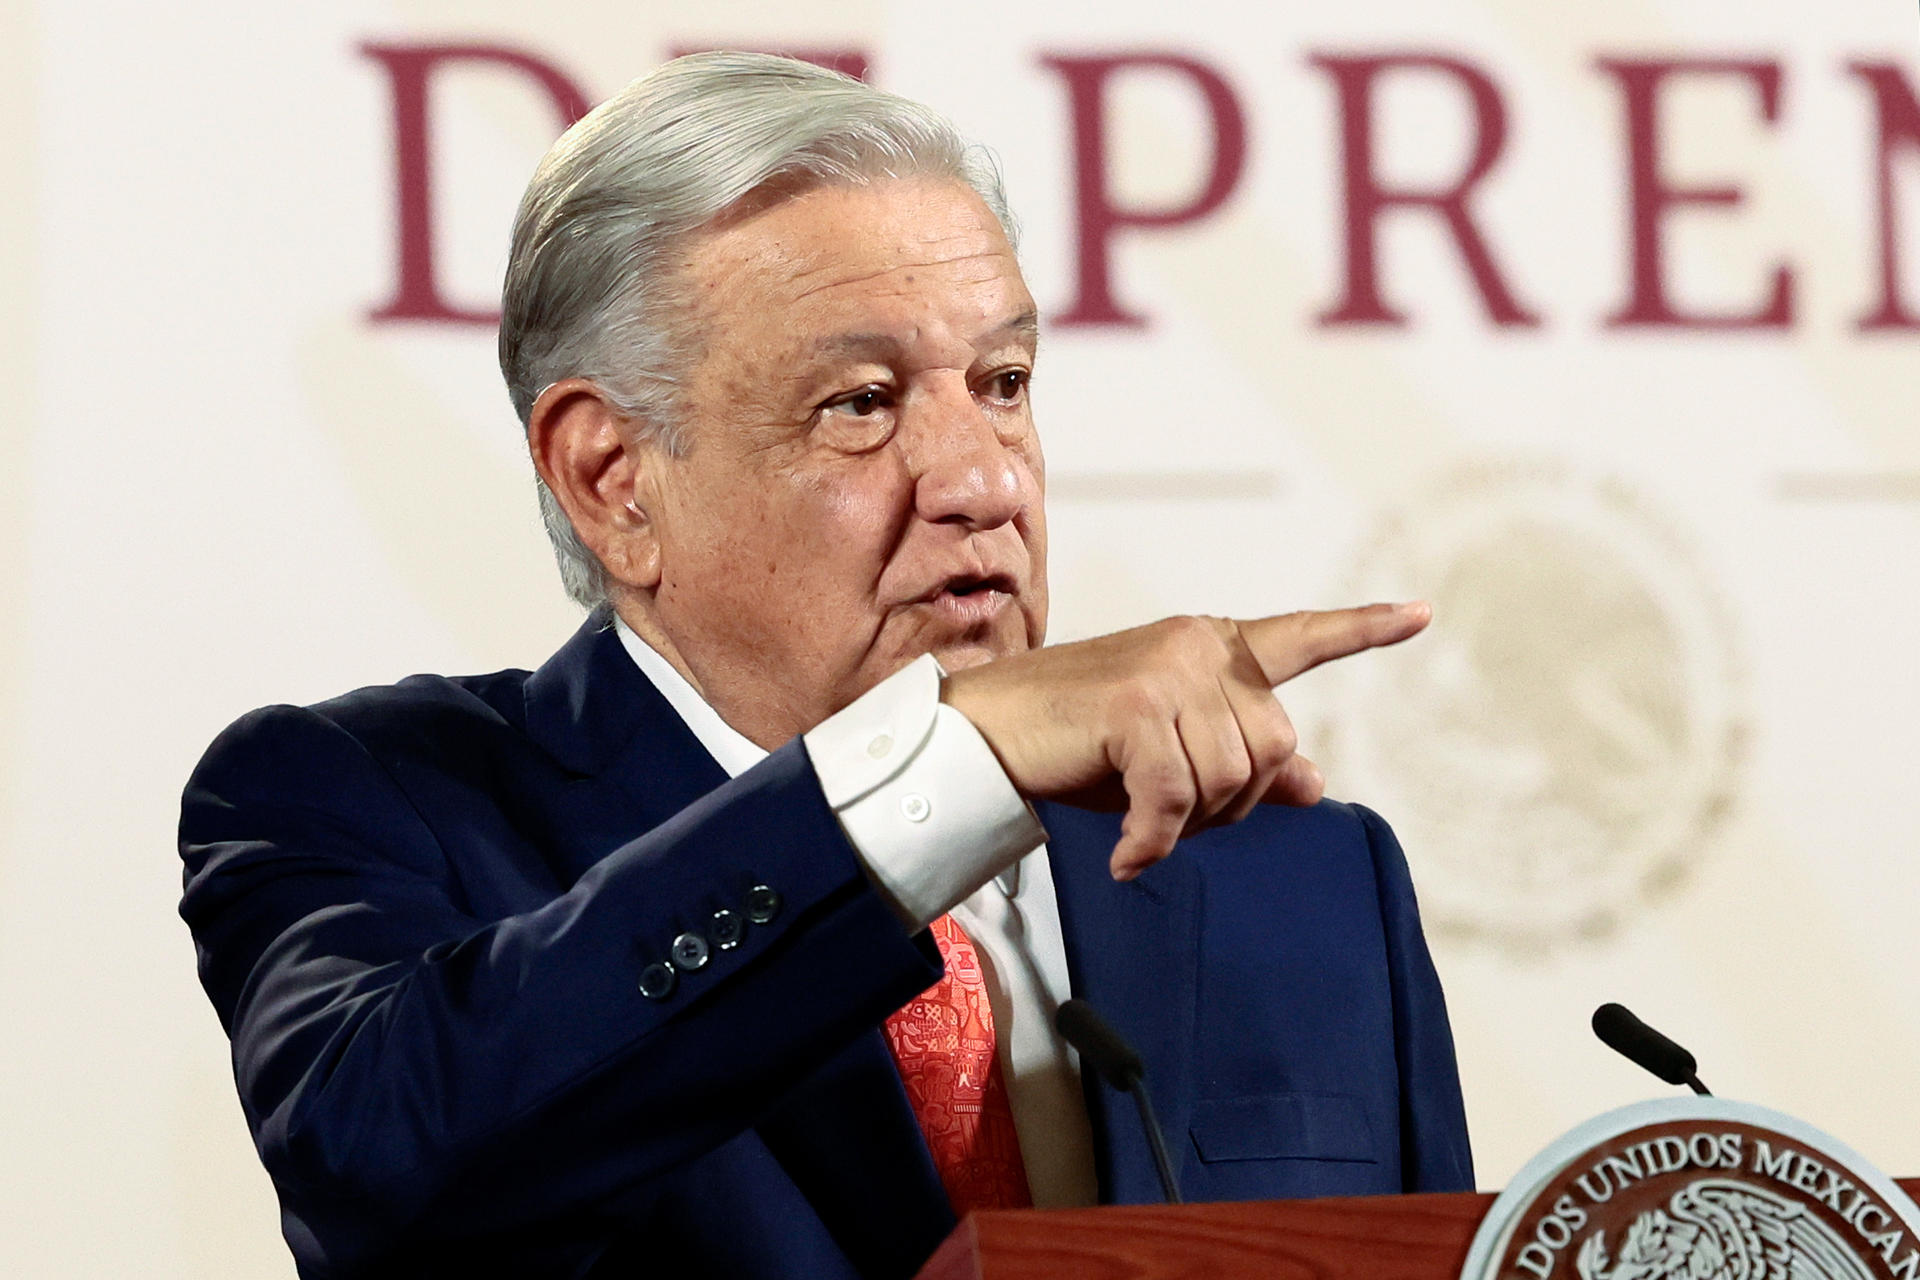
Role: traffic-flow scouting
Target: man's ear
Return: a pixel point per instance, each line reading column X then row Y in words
column 589, row 454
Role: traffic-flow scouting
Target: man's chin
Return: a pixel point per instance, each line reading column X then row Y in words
column 1008, row 632
column 962, row 654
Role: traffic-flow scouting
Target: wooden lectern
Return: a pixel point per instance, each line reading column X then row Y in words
column 1421, row 1237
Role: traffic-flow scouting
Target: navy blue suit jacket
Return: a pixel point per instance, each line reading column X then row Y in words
column 421, row 911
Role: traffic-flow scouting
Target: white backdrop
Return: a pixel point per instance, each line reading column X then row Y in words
column 1657, row 748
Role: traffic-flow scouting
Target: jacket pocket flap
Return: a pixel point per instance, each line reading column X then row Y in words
column 1282, row 1126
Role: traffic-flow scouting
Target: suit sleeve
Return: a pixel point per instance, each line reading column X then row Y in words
column 1434, row 1153
column 412, row 1073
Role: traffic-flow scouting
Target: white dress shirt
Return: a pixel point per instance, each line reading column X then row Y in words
column 940, row 828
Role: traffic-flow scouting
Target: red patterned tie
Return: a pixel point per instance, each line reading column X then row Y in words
column 943, row 1043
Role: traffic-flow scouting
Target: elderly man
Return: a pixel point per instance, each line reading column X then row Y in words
column 728, row 941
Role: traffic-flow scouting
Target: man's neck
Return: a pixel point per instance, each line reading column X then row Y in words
column 754, row 709
column 731, row 749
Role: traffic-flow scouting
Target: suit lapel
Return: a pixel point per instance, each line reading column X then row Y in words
column 846, row 1134
column 634, row 761
column 1133, row 954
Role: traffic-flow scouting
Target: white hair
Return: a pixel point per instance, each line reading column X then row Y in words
column 592, row 281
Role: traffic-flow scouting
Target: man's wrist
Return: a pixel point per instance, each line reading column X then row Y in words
column 919, row 794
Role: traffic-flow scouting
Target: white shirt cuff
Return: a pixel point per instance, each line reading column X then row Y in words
column 919, row 794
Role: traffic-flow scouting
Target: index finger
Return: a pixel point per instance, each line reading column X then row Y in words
column 1289, row 643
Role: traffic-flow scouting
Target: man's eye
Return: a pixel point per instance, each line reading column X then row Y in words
column 1009, row 384
column 862, row 403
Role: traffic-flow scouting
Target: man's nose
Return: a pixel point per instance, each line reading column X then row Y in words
column 969, row 462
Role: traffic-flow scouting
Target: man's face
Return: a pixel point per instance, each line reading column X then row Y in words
column 862, row 482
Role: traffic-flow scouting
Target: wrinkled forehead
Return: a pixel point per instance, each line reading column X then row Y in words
column 923, row 252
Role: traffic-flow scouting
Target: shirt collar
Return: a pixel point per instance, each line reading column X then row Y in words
column 730, row 749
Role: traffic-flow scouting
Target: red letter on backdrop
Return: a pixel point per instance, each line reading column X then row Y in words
column 1899, row 116
column 1651, row 197
column 1098, row 217
column 1366, row 199
column 416, row 292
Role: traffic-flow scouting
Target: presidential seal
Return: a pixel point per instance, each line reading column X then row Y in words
column 1698, row 1189
column 1563, row 743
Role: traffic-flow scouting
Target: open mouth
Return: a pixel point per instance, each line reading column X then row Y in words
column 969, row 600
column 971, row 586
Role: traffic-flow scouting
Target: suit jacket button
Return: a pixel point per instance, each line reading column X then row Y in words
column 657, row 980
column 763, row 904
column 689, row 952
column 727, row 929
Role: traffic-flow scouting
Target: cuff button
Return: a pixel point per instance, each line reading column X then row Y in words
column 690, row 952
column 657, row 981
column 763, row 904
column 727, row 929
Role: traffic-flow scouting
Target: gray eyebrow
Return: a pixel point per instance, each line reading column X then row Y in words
column 1025, row 325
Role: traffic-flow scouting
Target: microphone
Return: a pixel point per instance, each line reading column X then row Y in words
column 1119, row 1064
column 1639, row 1043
